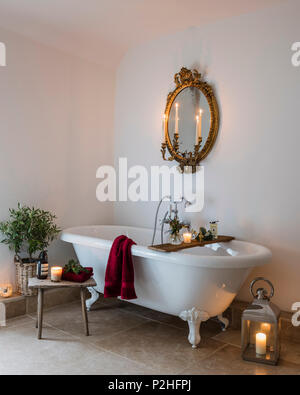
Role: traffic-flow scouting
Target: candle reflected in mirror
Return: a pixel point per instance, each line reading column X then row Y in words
column 176, row 118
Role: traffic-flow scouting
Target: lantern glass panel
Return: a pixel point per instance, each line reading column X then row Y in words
column 260, row 341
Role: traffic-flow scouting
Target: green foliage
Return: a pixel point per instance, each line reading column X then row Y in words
column 74, row 267
column 204, row 234
column 30, row 229
column 175, row 225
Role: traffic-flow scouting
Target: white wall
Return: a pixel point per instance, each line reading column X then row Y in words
column 56, row 128
column 252, row 174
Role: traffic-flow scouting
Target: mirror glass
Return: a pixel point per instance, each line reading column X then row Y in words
column 190, row 101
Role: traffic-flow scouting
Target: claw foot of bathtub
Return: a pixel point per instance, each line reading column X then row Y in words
column 224, row 322
column 194, row 318
column 94, row 297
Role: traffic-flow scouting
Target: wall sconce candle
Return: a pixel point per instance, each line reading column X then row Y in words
column 56, row 274
column 176, row 118
column 197, row 129
column 200, row 124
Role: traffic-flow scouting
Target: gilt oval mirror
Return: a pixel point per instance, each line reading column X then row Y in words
column 191, row 120
column 193, row 113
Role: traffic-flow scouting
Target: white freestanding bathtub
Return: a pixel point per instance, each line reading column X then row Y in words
column 195, row 284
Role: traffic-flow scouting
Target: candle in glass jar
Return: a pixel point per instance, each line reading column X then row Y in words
column 56, row 273
column 6, row 290
column 187, row 237
column 261, row 343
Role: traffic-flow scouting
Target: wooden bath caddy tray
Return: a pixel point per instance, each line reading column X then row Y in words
column 173, row 248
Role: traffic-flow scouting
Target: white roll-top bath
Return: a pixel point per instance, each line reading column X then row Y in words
column 195, row 284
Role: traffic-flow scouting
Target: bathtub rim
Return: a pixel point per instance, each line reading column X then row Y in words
column 261, row 257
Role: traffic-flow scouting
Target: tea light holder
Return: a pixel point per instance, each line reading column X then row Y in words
column 6, row 290
column 56, row 274
column 187, row 237
column 261, row 328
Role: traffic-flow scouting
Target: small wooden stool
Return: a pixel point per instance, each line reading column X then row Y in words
column 41, row 285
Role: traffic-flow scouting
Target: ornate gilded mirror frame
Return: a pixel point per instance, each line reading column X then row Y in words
column 184, row 79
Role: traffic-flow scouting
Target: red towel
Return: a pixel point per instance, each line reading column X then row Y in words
column 119, row 276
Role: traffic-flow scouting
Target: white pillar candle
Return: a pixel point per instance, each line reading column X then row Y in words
column 56, row 273
column 197, row 130
column 176, row 118
column 261, row 343
column 200, row 124
column 187, row 237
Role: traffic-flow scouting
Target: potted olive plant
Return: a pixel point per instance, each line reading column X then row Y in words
column 28, row 231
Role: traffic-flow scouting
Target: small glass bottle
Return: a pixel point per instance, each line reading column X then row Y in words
column 42, row 266
column 214, row 229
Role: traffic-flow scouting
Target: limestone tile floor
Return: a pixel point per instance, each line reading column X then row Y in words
column 125, row 339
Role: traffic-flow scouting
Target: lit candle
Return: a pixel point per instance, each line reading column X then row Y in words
column 200, row 124
column 261, row 343
column 197, row 130
column 56, row 273
column 6, row 290
column 187, row 237
column 176, row 118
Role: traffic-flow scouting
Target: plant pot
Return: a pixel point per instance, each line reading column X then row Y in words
column 25, row 269
column 78, row 278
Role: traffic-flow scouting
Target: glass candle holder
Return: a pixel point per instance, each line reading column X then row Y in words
column 56, row 274
column 187, row 237
column 6, row 290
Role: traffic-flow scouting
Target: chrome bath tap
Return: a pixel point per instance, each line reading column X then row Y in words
column 173, row 210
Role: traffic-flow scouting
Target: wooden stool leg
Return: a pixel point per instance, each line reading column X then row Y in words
column 40, row 312
column 84, row 312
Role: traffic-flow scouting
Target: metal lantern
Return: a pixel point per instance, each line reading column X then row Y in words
column 261, row 327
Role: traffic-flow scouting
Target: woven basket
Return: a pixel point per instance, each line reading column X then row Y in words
column 24, row 272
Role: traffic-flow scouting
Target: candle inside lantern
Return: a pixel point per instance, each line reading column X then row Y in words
column 56, row 273
column 6, row 290
column 187, row 237
column 261, row 343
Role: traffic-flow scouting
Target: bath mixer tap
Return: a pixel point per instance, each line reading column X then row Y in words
column 173, row 210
